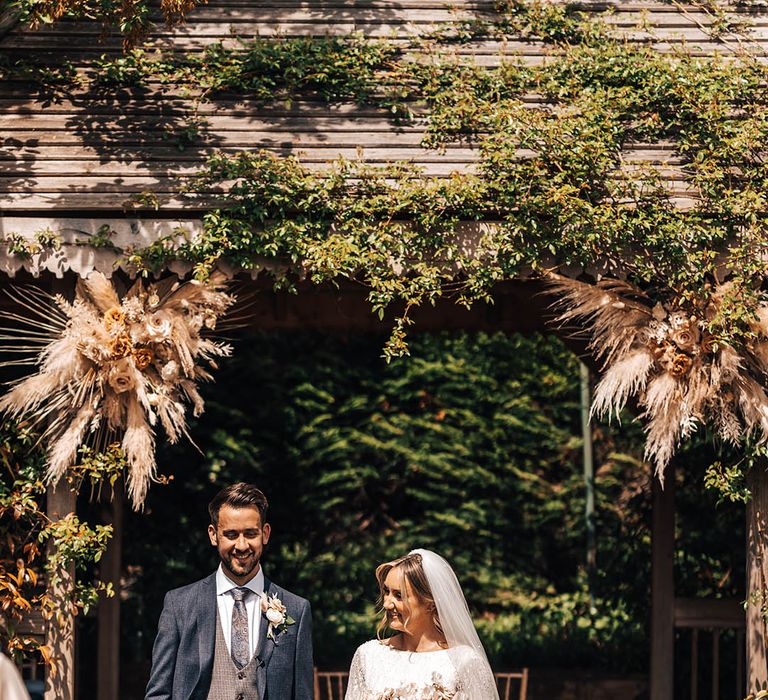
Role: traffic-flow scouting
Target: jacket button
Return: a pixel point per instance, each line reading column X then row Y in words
column 240, row 696
column 240, row 676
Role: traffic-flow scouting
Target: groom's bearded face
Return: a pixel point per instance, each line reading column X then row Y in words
column 239, row 537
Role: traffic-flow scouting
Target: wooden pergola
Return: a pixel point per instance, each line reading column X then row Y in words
column 69, row 161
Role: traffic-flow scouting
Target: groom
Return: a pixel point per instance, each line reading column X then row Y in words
column 234, row 635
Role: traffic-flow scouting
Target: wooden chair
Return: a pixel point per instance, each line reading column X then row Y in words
column 331, row 685
column 506, row 681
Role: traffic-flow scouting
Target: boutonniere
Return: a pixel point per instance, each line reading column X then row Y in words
column 278, row 618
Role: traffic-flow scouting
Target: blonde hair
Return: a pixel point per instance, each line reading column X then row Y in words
column 413, row 573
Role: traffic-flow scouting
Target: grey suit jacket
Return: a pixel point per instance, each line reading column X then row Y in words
column 182, row 657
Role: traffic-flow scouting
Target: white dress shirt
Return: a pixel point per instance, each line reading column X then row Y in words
column 226, row 603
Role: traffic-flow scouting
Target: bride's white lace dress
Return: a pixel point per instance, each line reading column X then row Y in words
column 381, row 672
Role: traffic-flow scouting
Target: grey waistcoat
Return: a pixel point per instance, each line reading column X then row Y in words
column 228, row 682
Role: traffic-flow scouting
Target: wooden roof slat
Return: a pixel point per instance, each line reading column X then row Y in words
column 107, row 204
column 125, row 184
column 110, row 139
column 212, row 32
column 59, row 160
column 216, row 122
column 249, row 15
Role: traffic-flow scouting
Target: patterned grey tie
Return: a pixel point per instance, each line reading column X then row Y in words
column 240, row 648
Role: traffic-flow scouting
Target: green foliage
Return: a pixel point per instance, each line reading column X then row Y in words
column 729, row 481
column 553, row 179
column 101, row 239
column 570, row 627
column 333, row 68
column 130, row 69
column 330, row 68
column 22, row 247
column 131, row 19
column 98, row 469
column 24, row 527
column 50, row 77
column 76, row 542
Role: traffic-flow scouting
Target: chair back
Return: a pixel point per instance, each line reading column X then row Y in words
column 507, row 682
column 332, row 685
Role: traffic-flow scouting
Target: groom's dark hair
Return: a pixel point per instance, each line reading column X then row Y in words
column 240, row 495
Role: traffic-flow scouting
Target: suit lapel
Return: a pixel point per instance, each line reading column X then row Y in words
column 207, row 609
column 266, row 645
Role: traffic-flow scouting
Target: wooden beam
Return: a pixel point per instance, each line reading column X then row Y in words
column 108, row 662
column 60, row 637
column 757, row 575
column 663, row 587
column 519, row 305
column 709, row 613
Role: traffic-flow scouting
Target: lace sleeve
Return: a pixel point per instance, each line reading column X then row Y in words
column 475, row 679
column 356, row 689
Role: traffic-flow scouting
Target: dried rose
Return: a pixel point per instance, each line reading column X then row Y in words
column 686, row 337
column 121, row 346
column 114, row 317
column 159, row 326
column 122, row 376
column 668, row 358
column 680, row 365
column 142, row 358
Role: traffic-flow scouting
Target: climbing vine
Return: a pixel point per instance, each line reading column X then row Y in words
column 556, row 178
column 25, row 529
column 133, row 19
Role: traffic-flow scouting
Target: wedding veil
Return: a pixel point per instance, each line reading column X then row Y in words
column 464, row 646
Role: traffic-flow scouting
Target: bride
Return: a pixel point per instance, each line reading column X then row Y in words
column 435, row 653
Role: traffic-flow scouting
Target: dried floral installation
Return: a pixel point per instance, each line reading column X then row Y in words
column 111, row 368
column 667, row 360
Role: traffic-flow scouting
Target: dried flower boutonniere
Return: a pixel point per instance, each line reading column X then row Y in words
column 276, row 614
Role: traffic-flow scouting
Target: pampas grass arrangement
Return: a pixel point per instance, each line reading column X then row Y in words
column 667, row 360
column 113, row 368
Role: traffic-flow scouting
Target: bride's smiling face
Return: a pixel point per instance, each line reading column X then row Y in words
column 406, row 612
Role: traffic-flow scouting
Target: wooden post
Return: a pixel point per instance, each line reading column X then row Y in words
column 60, row 634
column 757, row 590
column 663, row 587
column 108, row 674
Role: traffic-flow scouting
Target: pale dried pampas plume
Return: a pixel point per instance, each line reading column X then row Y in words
column 666, row 359
column 110, row 367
